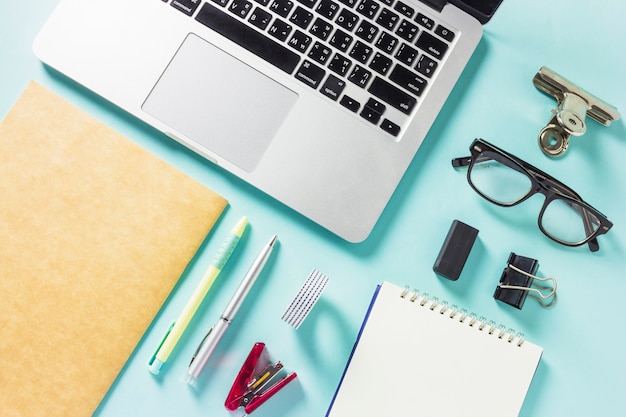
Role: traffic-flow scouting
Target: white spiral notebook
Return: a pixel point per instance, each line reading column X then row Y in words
column 417, row 356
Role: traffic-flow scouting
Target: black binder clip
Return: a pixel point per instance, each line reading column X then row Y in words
column 257, row 381
column 518, row 282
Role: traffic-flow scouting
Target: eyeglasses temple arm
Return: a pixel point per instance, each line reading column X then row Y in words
column 461, row 162
column 593, row 245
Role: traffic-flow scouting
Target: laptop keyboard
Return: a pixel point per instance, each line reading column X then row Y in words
column 375, row 58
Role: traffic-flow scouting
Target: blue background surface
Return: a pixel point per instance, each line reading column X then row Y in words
column 583, row 369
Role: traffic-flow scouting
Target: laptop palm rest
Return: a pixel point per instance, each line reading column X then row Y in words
column 221, row 103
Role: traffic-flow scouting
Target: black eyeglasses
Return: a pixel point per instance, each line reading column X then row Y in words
column 506, row 180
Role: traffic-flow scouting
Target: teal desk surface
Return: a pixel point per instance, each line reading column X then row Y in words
column 583, row 369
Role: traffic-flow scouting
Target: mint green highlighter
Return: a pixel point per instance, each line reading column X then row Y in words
column 177, row 328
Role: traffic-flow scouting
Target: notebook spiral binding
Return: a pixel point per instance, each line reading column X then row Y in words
column 462, row 316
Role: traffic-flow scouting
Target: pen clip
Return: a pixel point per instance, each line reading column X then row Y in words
column 200, row 345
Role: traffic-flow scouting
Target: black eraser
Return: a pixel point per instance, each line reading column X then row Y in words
column 455, row 250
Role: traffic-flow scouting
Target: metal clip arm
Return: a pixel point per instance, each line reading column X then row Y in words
column 573, row 105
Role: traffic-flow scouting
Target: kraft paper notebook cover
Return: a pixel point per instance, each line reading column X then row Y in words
column 416, row 356
column 94, row 234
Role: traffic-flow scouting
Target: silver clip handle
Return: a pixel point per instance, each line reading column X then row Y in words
column 573, row 105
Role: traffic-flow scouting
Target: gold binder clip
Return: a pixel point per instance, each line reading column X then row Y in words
column 574, row 104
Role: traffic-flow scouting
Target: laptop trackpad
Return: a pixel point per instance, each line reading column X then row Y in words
column 218, row 101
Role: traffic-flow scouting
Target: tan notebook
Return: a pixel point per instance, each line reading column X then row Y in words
column 94, row 233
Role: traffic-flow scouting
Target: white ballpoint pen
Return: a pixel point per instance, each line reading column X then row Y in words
column 213, row 337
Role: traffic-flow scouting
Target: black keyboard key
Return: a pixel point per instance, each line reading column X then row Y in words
column 280, row 30
column 407, row 30
column 360, row 76
column 327, row 9
column 427, row 22
column 434, row 46
column 300, row 41
column 376, row 105
column 349, row 3
column 387, row 19
column 426, row 65
column 392, row 95
column 248, row 38
column 222, row 3
column 380, row 63
column 340, row 40
column 346, row 19
column 320, row 53
column 260, row 18
column 308, row 3
column 373, row 111
column 340, row 64
column 333, row 87
column 370, row 115
column 186, row 6
column 407, row 54
column 366, row 31
column 405, row 9
column 281, row 7
column 361, row 52
column 390, row 127
column 368, row 8
column 350, row 104
column 387, row 43
column 263, row 2
column 240, row 8
column 310, row 74
column 321, row 29
column 301, row 17
column 408, row 79
column 445, row 33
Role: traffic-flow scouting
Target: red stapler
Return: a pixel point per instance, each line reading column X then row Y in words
column 256, row 382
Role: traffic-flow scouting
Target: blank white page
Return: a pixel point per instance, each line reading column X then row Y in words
column 414, row 359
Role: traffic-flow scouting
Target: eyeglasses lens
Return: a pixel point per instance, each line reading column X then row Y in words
column 568, row 221
column 497, row 181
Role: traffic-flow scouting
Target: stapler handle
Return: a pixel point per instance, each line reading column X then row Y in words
column 260, row 399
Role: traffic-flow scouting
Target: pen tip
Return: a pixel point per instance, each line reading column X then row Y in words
column 273, row 240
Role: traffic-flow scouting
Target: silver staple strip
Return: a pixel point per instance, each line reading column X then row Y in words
column 305, row 299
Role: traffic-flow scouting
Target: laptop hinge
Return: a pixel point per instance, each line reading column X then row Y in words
column 435, row 4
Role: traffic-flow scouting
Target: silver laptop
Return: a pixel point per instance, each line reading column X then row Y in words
column 321, row 104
